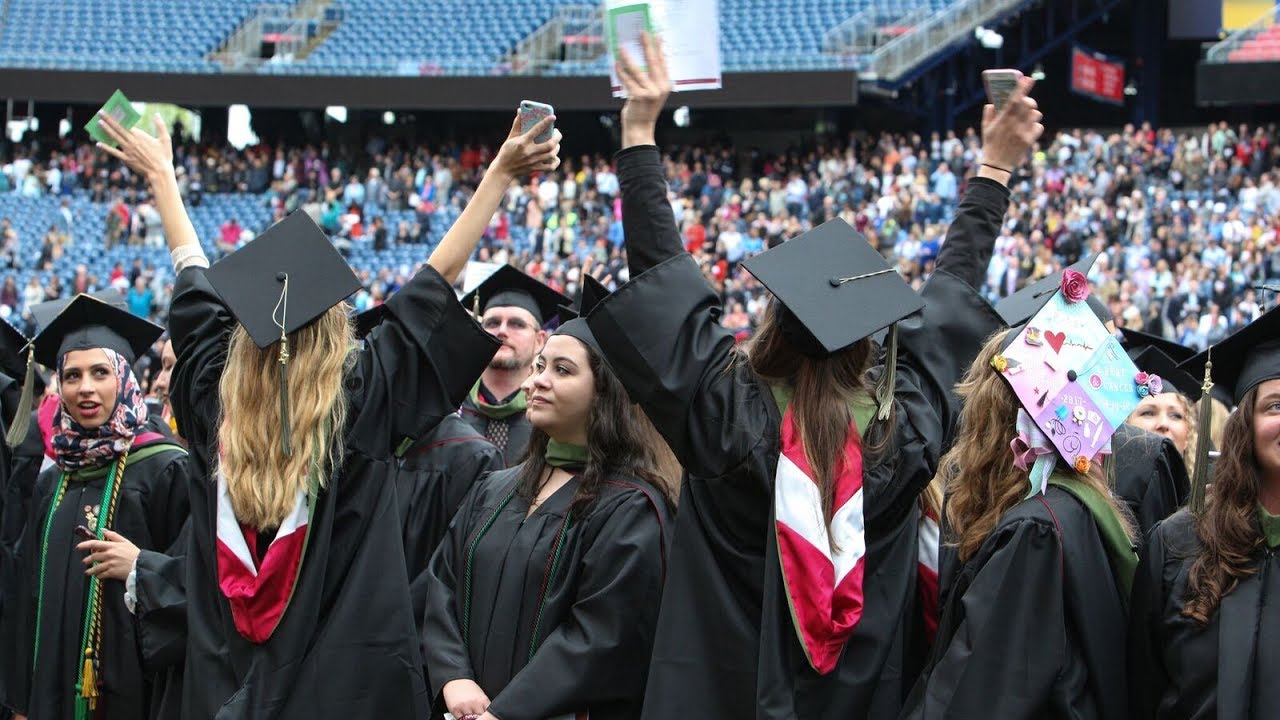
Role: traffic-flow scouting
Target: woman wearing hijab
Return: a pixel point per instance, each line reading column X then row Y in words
column 792, row 589
column 73, row 640
column 543, row 598
column 296, row 600
column 1203, row 632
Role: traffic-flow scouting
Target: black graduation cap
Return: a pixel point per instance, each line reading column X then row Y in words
column 573, row 322
column 1247, row 358
column 87, row 323
column 366, row 321
column 289, row 275
column 1153, row 360
column 508, row 287
column 279, row 282
column 45, row 312
column 13, row 351
column 837, row 288
column 1021, row 306
column 1135, row 342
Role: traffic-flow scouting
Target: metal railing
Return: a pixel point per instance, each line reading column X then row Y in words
column 893, row 59
column 867, row 29
column 1220, row 52
column 574, row 36
column 293, row 29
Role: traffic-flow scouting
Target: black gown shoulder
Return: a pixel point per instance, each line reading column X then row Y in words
column 1033, row 624
column 1150, row 475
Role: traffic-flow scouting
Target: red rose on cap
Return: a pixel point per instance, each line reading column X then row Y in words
column 1075, row 286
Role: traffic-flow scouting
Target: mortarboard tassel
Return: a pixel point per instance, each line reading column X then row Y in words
column 885, row 388
column 282, row 306
column 1200, row 476
column 22, row 416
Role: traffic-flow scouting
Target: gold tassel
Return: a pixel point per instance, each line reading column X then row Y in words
column 888, row 381
column 1200, row 474
column 286, row 428
column 22, row 416
column 89, row 685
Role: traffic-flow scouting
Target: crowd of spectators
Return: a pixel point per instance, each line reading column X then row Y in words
column 1184, row 222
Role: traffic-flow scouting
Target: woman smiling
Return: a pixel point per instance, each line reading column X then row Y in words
column 74, row 640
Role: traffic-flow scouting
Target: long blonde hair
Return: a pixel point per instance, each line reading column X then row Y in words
column 981, row 481
column 262, row 481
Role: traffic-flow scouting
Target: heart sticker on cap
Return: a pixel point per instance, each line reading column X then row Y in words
column 1055, row 340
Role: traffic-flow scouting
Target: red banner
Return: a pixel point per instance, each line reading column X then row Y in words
column 1098, row 76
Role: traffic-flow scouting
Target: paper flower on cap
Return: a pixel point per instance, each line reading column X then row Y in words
column 1148, row 384
column 1074, row 379
column 1075, row 286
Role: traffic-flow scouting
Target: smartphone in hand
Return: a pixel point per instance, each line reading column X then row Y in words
column 85, row 533
column 531, row 113
column 1000, row 84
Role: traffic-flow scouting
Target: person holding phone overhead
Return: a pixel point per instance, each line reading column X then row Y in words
column 791, row 591
column 73, row 643
column 296, row 600
column 1203, row 631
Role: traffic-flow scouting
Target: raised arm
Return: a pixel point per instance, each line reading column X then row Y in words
column 152, row 158
column 519, row 155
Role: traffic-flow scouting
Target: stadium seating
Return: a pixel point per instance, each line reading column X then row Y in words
column 1262, row 47
column 32, row 218
column 379, row 37
column 125, row 35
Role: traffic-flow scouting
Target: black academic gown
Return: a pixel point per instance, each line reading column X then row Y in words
column 726, row 647
column 518, row 430
column 346, row 644
column 151, row 509
column 431, row 483
column 1180, row 670
column 1150, row 475
column 1032, row 626
column 547, row 633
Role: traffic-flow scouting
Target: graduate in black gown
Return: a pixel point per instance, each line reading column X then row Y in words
column 1204, row 631
column 292, row 582
column 543, row 598
column 517, row 310
column 433, row 475
column 728, row 645
column 1033, row 615
column 74, row 641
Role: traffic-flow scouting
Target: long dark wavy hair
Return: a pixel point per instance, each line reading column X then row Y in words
column 822, row 389
column 620, row 440
column 1228, row 529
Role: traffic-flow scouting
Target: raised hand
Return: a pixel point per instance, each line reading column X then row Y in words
column 1007, row 136
column 520, row 155
column 647, row 92
column 150, row 157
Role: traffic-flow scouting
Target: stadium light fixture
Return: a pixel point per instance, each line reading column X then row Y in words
column 388, row 118
column 337, row 112
column 681, row 116
column 1038, row 73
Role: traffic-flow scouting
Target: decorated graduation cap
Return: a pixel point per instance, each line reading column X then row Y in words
column 834, row 290
column 1157, row 365
column 573, row 322
column 1019, row 307
column 1136, row 342
column 280, row 282
column 508, row 287
column 1074, row 381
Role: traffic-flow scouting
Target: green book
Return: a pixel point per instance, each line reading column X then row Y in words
column 118, row 108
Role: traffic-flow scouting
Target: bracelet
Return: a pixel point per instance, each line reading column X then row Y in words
column 996, row 167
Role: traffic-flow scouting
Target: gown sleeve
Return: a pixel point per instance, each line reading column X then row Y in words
column 161, row 610
column 1007, row 652
column 444, row 649
column 18, row 625
column 200, row 325
column 662, row 336
column 939, row 343
column 416, row 367
column 1148, row 679
column 601, row 651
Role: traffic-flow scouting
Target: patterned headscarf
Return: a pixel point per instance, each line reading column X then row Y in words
column 76, row 448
